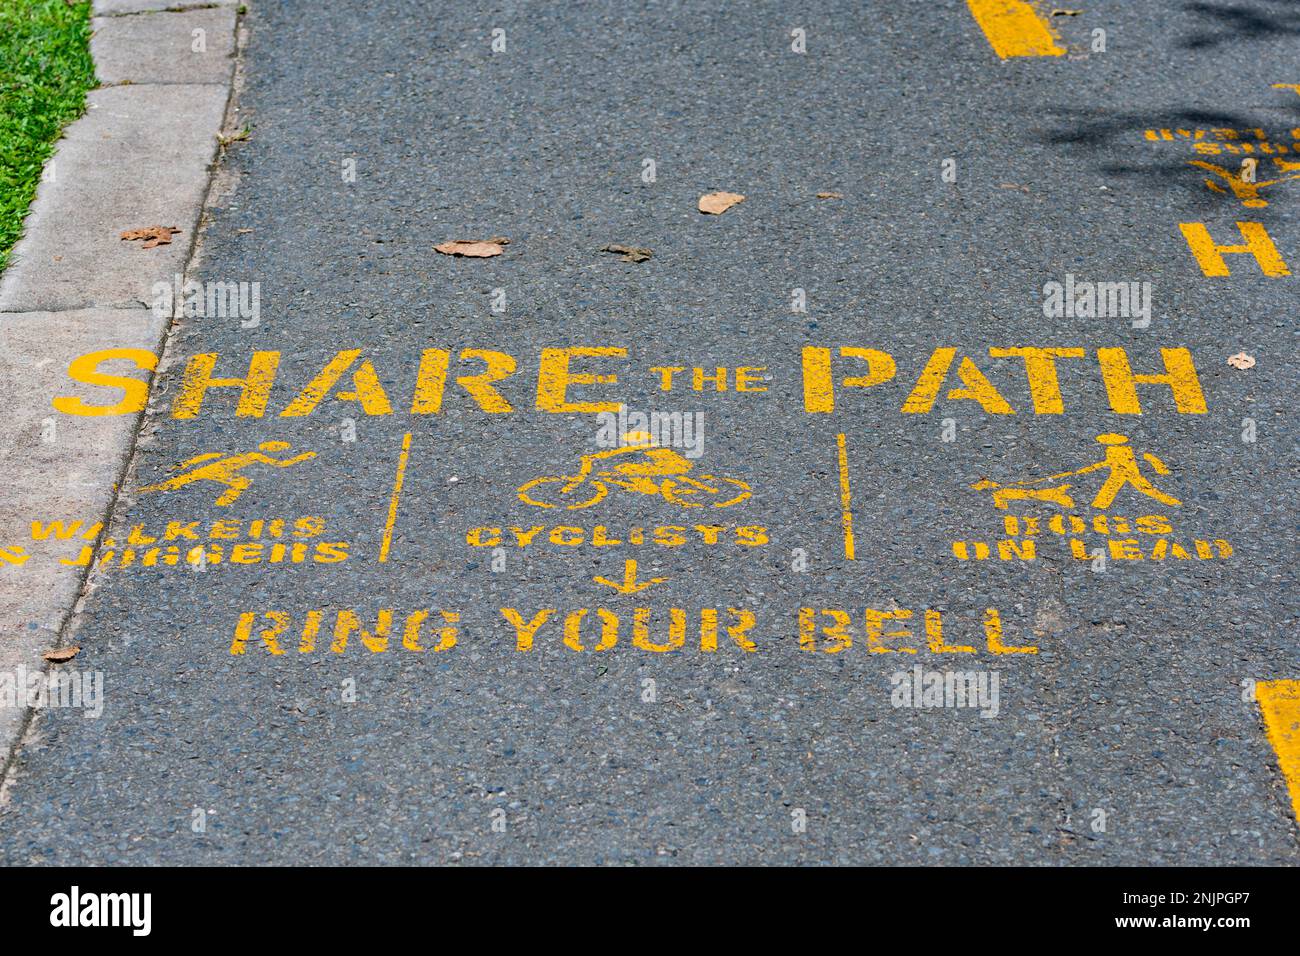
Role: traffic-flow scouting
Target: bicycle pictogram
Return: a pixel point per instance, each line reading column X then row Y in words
column 640, row 467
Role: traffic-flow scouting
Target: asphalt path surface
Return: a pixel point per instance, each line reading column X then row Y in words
column 1127, row 738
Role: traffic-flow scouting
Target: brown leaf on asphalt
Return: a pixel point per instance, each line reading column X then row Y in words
column 715, row 204
column 1059, row 12
column 152, row 235
column 629, row 253
column 61, row 655
column 830, row 195
column 1242, row 361
column 473, row 248
column 225, row 139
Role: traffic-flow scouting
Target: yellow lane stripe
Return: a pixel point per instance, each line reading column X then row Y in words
column 1014, row 28
column 387, row 543
column 1279, row 702
column 846, row 498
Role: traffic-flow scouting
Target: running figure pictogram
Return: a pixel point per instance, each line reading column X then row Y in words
column 227, row 471
column 1120, row 461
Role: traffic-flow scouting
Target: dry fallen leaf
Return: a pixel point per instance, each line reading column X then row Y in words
column 61, row 655
column 1065, row 13
column 715, row 204
column 474, row 248
column 1242, row 361
column 152, row 235
column 225, row 139
column 830, row 195
column 629, row 253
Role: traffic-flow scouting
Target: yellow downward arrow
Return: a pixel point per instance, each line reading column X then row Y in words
column 629, row 584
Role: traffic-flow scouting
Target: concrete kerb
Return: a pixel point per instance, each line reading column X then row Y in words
column 142, row 155
column 106, row 8
column 191, row 47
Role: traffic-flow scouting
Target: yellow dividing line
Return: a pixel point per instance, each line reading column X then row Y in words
column 846, row 498
column 1014, row 28
column 392, row 502
column 1279, row 702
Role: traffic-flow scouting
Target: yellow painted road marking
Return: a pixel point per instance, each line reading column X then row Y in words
column 226, row 470
column 1279, row 702
column 629, row 584
column 1014, row 28
column 1257, row 242
column 846, row 498
column 397, row 492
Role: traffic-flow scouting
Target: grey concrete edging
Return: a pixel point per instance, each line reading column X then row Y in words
column 104, row 8
column 60, row 468
column 142, row 155
column 191, row 47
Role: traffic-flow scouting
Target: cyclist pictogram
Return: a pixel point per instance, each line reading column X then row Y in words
column 641, row 467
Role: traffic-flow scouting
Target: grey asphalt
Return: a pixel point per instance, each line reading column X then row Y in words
column 1133, row 705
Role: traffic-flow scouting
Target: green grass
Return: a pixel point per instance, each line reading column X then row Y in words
column 45, row 71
